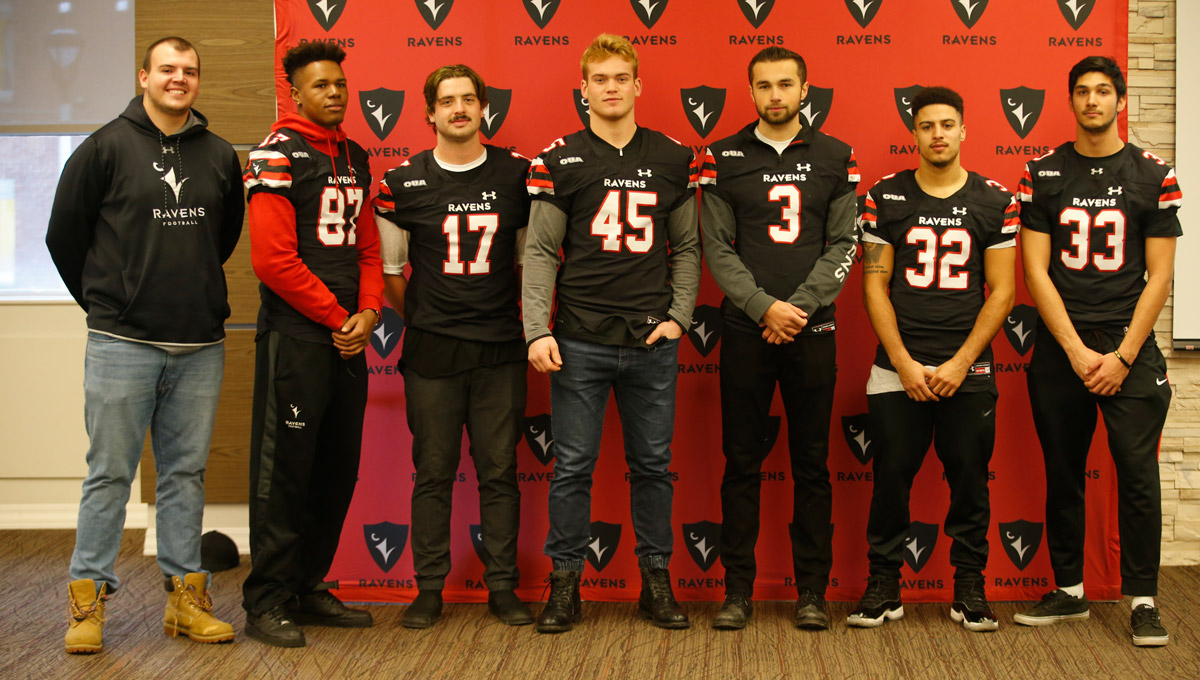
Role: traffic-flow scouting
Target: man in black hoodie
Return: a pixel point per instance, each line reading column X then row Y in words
column 147, row 210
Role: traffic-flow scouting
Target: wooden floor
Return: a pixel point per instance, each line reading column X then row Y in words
column 610, row 643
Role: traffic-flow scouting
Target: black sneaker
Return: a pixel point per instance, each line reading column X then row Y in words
column 1147, row 628
column 506, row 606
column 274, row 627
column 971, row 607
column 1055, row 606
column 810, row 611
column 323, row 609
column 881, row 602
column 734, row 614
column 424, row 611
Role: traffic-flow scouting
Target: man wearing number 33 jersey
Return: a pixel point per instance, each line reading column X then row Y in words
column 316, row 251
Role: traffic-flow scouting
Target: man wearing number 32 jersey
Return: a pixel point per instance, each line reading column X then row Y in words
column 316, row 251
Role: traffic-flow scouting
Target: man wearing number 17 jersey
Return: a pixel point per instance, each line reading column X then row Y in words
column 619, row 200
column 1100, row 219
column 315, row 248
column 932, row 238
column 457, row 214
column 778, row 213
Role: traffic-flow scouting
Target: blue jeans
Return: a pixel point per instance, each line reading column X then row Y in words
column 643, row 381
column 128, row 387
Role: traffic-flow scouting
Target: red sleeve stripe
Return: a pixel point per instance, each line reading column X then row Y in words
column 1012, row 218
column 1025, row 187
column 384, row 204
column 852, row 173
column 1171, row 196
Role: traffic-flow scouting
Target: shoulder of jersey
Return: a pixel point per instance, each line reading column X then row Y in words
column 893, row 188
column 995, row 192
column 669, row 145
column 834, row 145
column 1148, row 162
column 506, row 156
column 269, row 164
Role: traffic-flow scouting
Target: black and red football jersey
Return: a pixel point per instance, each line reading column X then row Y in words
column 781, row 202
column 1099, row 212
column 617, row 202
column 937, row 285
column 462, row 243
column 328, row 193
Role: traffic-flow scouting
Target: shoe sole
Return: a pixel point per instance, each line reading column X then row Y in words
column 92, row 649
column 812, row 624
column 559, row 627
column 719, row 624
column 975, row 627
column 669, row 625
column 419, row 625
column 1027, row 620
column 523, row 619
column 1151, row 640
column 327, row 622
column 175, row 631
column 855, row 621
column 254, row 634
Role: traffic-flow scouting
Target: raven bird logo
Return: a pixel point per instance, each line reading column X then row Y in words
column 385, row 543
column 169, row 178
column 919, row 543
column 705, row 331
column 969, row 11
column 1021, row 539
column 815, row 106
column 703, row 106
column 327, row 12
column 582, row 108
column 756, row 11
column 649, row 11
column 1022, row 108
column 477, row 541
column 434, row 12
column 703, row 541
column 904, row 97
column 858, row 437
column 1076, row 12
column 863, row 11
column 496, row 110
column 386, row 335
column 541, row 11
column 1021, row 328
column 381, row 108
column 602, row 544
column 540, row 437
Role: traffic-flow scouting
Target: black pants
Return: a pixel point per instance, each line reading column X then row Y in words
column 305, row 440
column 962, row 429
column 490, row 402
column 805, row 370
column 1064, row 413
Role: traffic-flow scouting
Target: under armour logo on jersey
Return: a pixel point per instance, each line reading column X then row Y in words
column 969, row 11
column 959, row 211
column 756, row 11
column 1076, row 12
column 703, row 105
column 918, row 546
column 1021, row 539
column 496, row 111
column 645, row 172
column 815, row 106
column 904, row 97
column 1097, row 171
column 1022, row 108
column 381, row 108
column 649, row 11
column 703, row 540
column 863, row 11
column 1115, row 191
column 434, row 12
column 169, row 178
column 326, row 12
column 489, row 195
column 858, row 437
column 804, row 167
column 385, row 543
column 602, row 544
column 541, row 11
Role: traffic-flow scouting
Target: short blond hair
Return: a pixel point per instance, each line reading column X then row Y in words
column 607, row 45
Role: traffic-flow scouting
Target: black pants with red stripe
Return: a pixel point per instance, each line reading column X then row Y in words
column 1064, row 413
column 962, row 429
column 305, row 441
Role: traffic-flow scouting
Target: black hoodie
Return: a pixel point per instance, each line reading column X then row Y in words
column 142, row 223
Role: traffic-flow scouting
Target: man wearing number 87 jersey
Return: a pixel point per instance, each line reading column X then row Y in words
column 457, row 214
column 1099, row 220
column 620, row 201
column 316, row 251
column 778, row 212
column 932, row 238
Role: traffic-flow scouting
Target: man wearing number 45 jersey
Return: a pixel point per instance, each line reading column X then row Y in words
column 457, row 214
column 932, row 238
column 778, row 213
column 620, row 201
column 1099, row 220
column 316, row 251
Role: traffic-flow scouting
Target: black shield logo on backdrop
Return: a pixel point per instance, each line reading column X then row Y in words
column 1022, row 107
column 1076, row 12
column 582, row 108
column 814, row 108
column 703, row 106
column 381, row 108
column 541, row 11
column 496, row 111
column 969, row 11
column 703, row 541
column 327, row 12
column 539, row 438
column 904, row 98
column 477, row 542
column 1021, row 540
column 772, row 434
column 434, row 12
column 385, row 542
column 858, row 437
column 756, row 11
column 603, row 544
column 705, row 331
column 1021, row 328
column 386, row 335
column 863, row 11
column 649, row 11
column 918, row 546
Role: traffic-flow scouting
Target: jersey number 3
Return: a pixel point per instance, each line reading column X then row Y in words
column 1076, row 257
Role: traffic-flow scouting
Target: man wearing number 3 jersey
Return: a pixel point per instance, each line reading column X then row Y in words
column 1099, row 220
column 619, row 200
column 778, row 212
column 316, row 251
column 457, row 215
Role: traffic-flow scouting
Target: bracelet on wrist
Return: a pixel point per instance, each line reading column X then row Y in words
column 1117, row 354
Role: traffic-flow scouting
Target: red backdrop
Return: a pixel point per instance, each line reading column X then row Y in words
column 1008, row 58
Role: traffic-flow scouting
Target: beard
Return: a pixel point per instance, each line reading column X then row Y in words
column 1099, row 127
column 780, row 117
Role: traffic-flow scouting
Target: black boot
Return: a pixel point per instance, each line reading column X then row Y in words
column 564, row 607
column 424, row 611
column 657, row 602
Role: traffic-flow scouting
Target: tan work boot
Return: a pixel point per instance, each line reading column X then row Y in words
column 85, row 616
column 189, row 611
